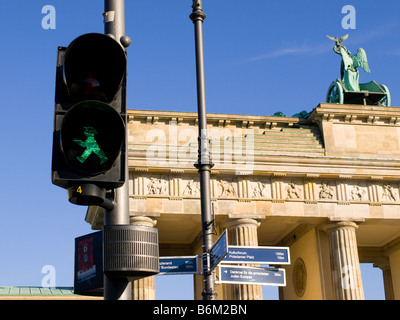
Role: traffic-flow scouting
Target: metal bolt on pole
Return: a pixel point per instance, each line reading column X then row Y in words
column 203, row 164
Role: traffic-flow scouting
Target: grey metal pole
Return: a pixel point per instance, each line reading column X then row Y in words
column 203, row 164
column 114, row 25
column 118, row 289
column 114, row 21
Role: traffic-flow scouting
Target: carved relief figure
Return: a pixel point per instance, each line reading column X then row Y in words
column 259, row 189
column 227, row 189
column 357, row 194
column 192, row 188
column 157, row 186
column 292, row 191
column 388, row 193
column 326, row 192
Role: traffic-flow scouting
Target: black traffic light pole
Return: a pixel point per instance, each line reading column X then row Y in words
column 203, row 164
column 114, row 25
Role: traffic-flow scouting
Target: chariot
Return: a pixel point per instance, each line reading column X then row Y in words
column 370, row 93
column 347, row 89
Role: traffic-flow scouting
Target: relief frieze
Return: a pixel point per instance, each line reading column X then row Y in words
column 294, row 191
column 226, row 188
column 357, row 193
column 389, row 194
column 326, row 191
column 192, row 188
column 275, row 189
column 260, row 189
column 157, row 186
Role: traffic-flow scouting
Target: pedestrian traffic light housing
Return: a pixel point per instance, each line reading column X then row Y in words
column 90, row 118
column 91, row 137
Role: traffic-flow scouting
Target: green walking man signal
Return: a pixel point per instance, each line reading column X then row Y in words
column 91, row 146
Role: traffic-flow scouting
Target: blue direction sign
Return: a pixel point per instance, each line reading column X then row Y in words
column 251, row 275
column 260, row 255
column 179, row 265
column 219, row 250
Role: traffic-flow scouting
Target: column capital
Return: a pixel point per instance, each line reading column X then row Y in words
column 143, row 221
column 334, row 223
column 239, row 220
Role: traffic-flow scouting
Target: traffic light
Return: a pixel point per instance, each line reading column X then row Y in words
column 90, row 118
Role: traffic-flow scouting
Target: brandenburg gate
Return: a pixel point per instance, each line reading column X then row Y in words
column 326, row 186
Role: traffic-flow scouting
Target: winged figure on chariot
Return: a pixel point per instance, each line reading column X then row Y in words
column 348, row 89
column 348, row 71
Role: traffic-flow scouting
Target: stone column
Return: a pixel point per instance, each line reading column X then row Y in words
column 143, row 289
column 345, row 264
column 242, row 231
column 387, row 278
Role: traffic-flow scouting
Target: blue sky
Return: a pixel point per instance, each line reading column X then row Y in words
column 260, row 56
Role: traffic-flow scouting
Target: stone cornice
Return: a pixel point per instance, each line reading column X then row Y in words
column 214, row 119
column 356, row 114
column 324, row 111
column 300, row 166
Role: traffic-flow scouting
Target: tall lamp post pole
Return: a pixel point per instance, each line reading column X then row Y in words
column 203, row 163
